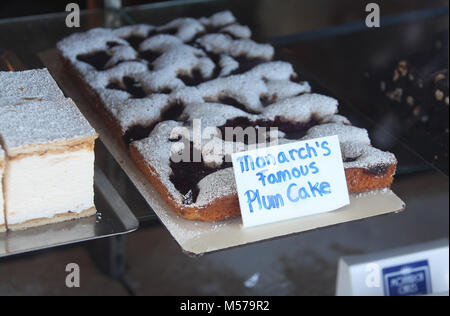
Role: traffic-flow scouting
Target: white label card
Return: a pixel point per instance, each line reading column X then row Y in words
column 291, row 180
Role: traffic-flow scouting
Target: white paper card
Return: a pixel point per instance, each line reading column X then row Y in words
column 291, row 180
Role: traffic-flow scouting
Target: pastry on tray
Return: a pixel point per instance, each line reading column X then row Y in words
column 49, row 151
column 150, row 84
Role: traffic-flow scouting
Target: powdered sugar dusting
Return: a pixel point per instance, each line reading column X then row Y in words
column 143, row 112
column 34, row 123
column 302, row 108
column 29, row 84
column 282, row 89
column 219, row 19
column 156, row 150
column 346, row 133
column 237, row 30
column 141, row 30
column 365, row 156
column 216, row 185
column 227, row 64
column 208, row 113
column 187, row 28
column 248, row 88
column 222, row 43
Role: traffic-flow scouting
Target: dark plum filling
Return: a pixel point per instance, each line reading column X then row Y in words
column 186, row 176
column 139, row 132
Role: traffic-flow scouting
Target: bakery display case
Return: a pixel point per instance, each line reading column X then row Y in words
column 382, row 90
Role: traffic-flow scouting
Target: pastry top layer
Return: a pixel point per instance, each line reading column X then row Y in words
column 37, row 126
column 140, row 71
column 29, row 85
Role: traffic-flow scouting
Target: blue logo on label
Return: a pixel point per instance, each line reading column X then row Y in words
column 407, row 279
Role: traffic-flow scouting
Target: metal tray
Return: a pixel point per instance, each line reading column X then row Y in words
column 113, row 218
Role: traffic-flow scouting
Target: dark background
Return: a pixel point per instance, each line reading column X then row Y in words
column 10, row 9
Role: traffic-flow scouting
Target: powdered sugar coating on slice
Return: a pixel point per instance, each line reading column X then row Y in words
column 225, row 44
column 283, row 89
column 248, row 88
column 95, row 40
column 336, row 118
column 216, row 185
column 227, row 65
column 302, row 108
column 29, row 84
column 156, row 151
column 120, row 53
column 237, row 30
column 207, row 112
column 177, row 57
column 140, row 30
column 187, row 28
column 365, row 156
column 346, row 133
column 218, row 19
column 45, row 122
column 143, row 112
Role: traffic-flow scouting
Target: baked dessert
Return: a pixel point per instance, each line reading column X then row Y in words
column 49, row 151
column 150, row 84
column 2, row 204
column 29, row 85
column 50, row 163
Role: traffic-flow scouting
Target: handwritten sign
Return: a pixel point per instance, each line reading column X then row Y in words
column 291, row 180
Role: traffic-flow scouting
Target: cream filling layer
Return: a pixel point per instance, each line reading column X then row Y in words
column 43, row 186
